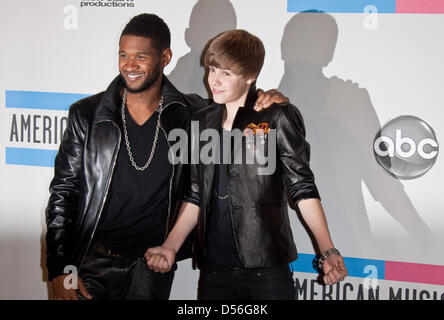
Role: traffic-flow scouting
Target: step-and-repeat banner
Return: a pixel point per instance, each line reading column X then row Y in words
column 366, row 75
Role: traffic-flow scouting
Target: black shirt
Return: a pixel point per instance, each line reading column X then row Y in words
column 221, row 246
column 134, row 217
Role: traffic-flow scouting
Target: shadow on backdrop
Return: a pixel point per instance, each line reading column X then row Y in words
column 208, row 19
column 341, row 124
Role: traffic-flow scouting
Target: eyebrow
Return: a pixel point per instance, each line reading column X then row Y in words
column 224, row 69
column 140, row 52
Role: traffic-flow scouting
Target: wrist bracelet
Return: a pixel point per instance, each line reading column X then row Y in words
column 325, row 255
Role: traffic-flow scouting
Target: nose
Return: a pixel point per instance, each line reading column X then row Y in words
column 215, row 78
column 131, row 64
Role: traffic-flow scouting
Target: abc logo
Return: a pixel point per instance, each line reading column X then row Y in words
column 406, row 147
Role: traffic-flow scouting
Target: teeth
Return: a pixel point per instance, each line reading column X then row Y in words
column 133, row 76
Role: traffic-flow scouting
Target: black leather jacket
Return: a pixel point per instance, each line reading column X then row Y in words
column 258, row 203
column 84, row 167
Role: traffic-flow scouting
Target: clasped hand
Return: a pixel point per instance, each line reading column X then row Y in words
column 334, row 269
column 160, row 259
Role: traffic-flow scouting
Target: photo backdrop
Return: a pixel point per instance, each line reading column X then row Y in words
column 366, row 75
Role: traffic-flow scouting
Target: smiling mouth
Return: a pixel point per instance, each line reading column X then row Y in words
column 134, row 76
column 217, row 91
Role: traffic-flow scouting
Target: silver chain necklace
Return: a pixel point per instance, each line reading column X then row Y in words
column 220, row 197
column 156, row 136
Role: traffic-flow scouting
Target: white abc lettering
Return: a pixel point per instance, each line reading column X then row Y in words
column 400, row 141
column 412, row 145
column 371, row 20
column 424, row 154
column 390, row 147
column 71, row 21
column 70, row 281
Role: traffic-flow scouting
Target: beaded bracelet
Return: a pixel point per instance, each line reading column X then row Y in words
column 325, row 255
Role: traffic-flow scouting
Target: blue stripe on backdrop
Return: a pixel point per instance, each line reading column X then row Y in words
column 356, row 267
column 41, row 100
column 30, row 156
column 340, row 6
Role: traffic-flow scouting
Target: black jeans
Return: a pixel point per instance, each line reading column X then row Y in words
column 119, row 278
column 219, row 283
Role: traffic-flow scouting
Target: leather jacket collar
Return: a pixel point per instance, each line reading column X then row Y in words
column 216, row 111
column 109, row 104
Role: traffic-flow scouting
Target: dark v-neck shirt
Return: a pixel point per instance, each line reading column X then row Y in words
column 220, row 244
column 134, row 217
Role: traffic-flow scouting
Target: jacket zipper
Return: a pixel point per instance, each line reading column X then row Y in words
column 106, row 192
column 172, row 175
column 171, row 185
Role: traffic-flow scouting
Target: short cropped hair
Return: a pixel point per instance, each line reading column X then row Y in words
column 237, row 50
column 149, row 26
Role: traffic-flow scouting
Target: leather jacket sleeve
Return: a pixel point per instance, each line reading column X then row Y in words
column 195, row 102
column 294, row 152
column 64, row 194
column 192, row 193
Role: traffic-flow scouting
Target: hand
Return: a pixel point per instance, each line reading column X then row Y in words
column 334, row 269
column 61, row 293
column 266, row 99
column 160, row 259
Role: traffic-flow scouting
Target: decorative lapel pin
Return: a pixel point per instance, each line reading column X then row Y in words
column 255, row 133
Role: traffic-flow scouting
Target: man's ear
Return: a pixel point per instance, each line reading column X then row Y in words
column 165, row 57
column 251, row 80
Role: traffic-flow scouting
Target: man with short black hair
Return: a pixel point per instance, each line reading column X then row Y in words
column 114, row 193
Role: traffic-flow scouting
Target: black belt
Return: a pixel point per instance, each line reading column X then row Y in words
column 216, row 267
column 100, row 248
